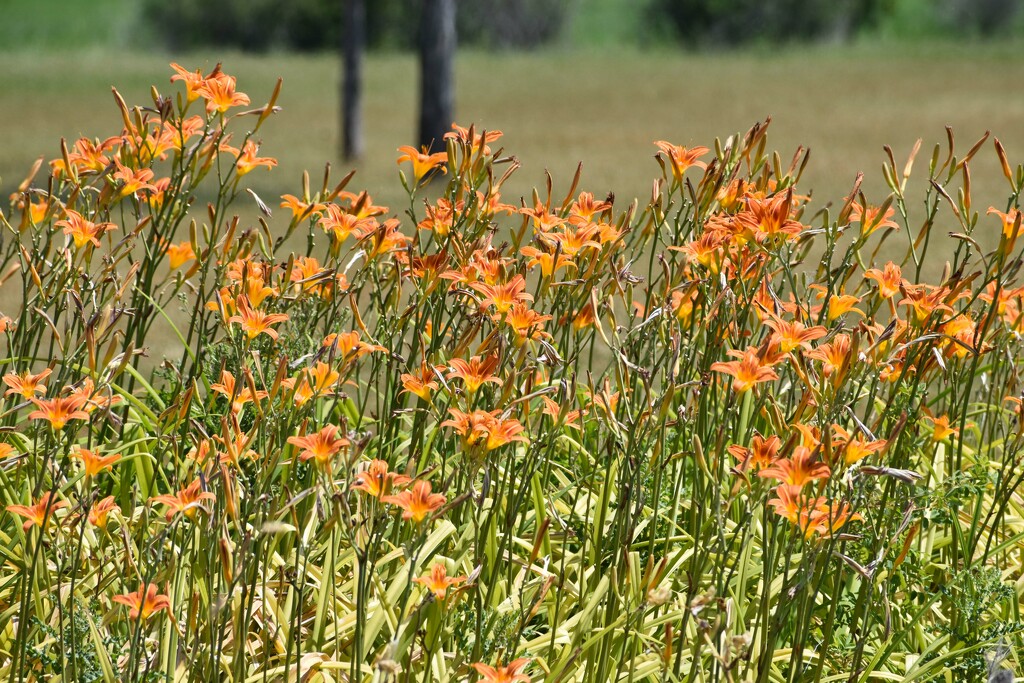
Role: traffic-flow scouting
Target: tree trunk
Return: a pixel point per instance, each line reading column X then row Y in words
column 353, row 41
column 437, row 77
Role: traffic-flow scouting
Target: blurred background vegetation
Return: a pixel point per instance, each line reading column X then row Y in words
column 316, row 25
column 566, row 80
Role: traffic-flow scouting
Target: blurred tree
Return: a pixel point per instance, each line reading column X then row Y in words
column 257, row 25
column 699, row 23
column 737, row 22
column 352, row 44
column 984, row 17
column 516, row 24
column 251, row 25
column 437, row 71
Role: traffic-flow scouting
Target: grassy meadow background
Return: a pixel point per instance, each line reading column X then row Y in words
column 582, row 100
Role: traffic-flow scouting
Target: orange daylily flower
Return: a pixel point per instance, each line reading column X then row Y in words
column 1004, row 298
column 770, row 219
column 961, row 330
column 549, row 262
column 348, row 346
column 888, row 279
column 247, row 159
column 569, row 418
column 309, row 276
column 226, row 388
column 503, row 297
column 813, row 516
column 361, row 205
column 473, row 427
column 377, row 481
column 511, row 673
column 440, row 218
column 176, row 133
column 180, row 254
column 871, row 218
column 571, row 240
column 39, row 513
column 132, row 182
column 731, row 196
column 475, row 139
column 584, row 318
column 98, row 513
column 187, row 501
column 789, row 336
column 490, row 205
column 321, row 446
column 385, row 238
column 828, row 518
column 683, row 302
column 791, row 503
column 90, row 156
column 427, row 269
column 475, row 372
column 94, row 462
column 525, row 322
column 301, row 208
column 219, row 93
column 504, row 431
column 1011, row 221
column 157, row 194
column 192, row 80
column 256, row 291
column 941, row 429
column 841, row 304
column 438, row 582
column 681, row 158
column 798, row 469
column 315, row 381
column 59, row 411
column 747, row 372
column 486, row 428
column 833, row 355
column 585, row 207
column 855, row 448
column 82, row 231
column 236, row 448
column 26, row 384
column 256, row 322
column 924, row 300
column 424, row 384
column 760, row 454
column 417, row 503
column 249, row 268
column 544, row 219
column 95, row 398
column 339, row 224
column 144, row 602
column 422, row 161
column 38, row 210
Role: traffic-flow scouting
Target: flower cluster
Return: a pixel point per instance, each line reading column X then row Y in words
column 720, row 433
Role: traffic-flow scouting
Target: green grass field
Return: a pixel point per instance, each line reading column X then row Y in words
column 603, row 108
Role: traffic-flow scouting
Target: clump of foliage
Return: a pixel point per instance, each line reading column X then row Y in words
column 707, row 437
column 725, row 23
column 308, row 25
